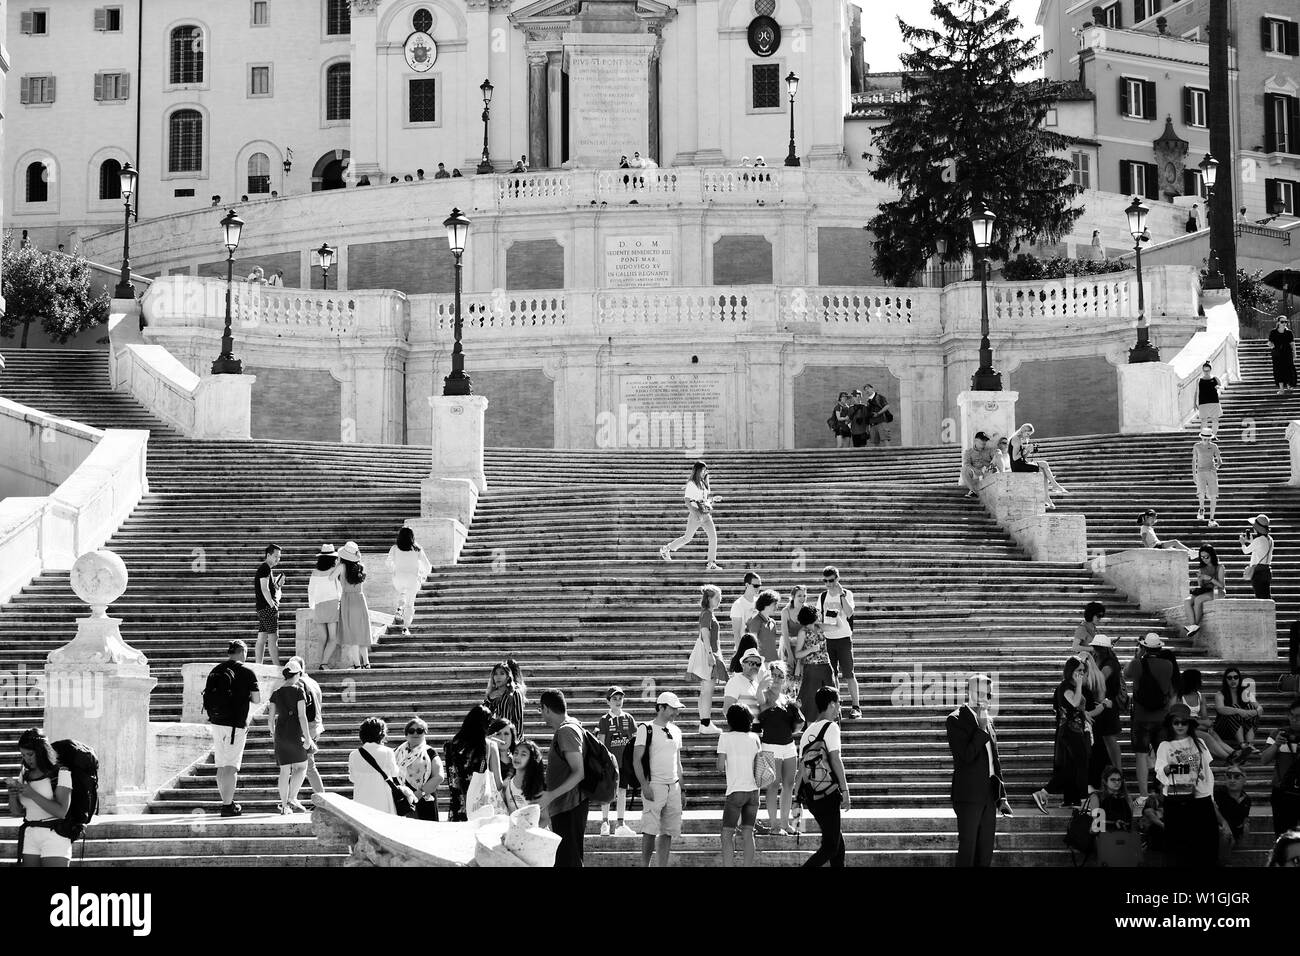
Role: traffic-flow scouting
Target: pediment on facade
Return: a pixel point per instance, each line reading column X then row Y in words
column 544, row 13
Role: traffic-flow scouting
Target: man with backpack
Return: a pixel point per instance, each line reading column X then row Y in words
column 1154, row 673
column 823, row 787
column 878, row 415
column 566, row 804
column 837, row 608
column 978, row 795
column 230, row 691
column 657, row 763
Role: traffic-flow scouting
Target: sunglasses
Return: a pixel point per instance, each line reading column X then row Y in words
column 1233, row 677
column 1179, row 723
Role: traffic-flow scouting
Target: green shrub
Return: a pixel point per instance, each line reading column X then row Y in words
column 1027, row 266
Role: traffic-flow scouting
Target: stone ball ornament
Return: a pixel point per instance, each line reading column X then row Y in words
column 99, row 578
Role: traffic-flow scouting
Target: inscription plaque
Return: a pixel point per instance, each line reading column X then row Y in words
column 610, row 111
column 638, row 261
column 687, row 411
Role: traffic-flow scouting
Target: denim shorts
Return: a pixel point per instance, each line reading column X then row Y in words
column 741, row 808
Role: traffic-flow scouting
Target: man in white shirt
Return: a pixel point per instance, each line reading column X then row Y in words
column 742, row 609
column 1259, row 545
column 742, row 688
column 661, row 793
column 826, row 807
column 836, row 607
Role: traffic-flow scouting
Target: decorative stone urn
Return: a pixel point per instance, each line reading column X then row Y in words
column 97, row 687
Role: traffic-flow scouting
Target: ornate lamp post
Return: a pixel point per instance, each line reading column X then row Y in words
column 1209, row 167
column 941, row 249
column 1144, row 351
column 457, row 383
column 485, row 164
column 986, row 377
column 226, row 363
column 792, row 85
column 326, row 256
column 125, row 290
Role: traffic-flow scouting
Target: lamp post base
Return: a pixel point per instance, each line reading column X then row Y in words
column 227, row 365
column 986, row 380
column 124, row 290
column 1213, row 279
column 1143, row 352
column 455, row 385
column 792, row 160
column 483, row 168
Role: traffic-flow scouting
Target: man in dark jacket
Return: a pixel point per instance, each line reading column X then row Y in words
column 977, row 791
column 878, row 415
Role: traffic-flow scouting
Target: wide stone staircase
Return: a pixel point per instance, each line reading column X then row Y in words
column 560, row 572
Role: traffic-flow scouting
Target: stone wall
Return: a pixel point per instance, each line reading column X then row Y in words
column 1070, row 396
column 521, row 407
column 299, row 403
column 844, row 256
column 535, row 264
column 742, row 260
column 407, row 265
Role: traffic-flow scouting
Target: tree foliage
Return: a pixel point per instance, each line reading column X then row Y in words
column 969, row 134
column 1028, row 266
column 51, row 289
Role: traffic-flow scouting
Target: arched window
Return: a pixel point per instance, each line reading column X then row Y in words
column 259, row 173
column 187, row 54
column 185, row 142
column 338, row 17
column 338, row 92
column 110, row 179
column 38, row 186
column 422, row 20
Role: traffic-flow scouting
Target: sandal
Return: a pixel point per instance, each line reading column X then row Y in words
column 1040, row 798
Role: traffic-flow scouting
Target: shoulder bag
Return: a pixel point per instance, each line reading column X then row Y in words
column 1249, row 571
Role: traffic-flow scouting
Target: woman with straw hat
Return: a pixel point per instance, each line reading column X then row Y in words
column 354, row 613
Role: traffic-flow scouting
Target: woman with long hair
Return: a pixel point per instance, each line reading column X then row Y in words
column 1183, row 767
column 1106, row 725
column 810, row 653
column 839, row 422
column 323, row 593
column 527, row 780
column 505, row 694
column 1114, row 800
column 1100, row 707
column 1189, row 690
column 699, row 514
column 1210, row 584
column 1281, row 343
column 1022, row 447
column 466, row 754
column 1286, row 850
column 420, row 768
column 42, row 795
column 409, row 565
column 1070, row 750
column 706, row 655
column 1235, row 719
column 779, row 719
column 354, row 612
column 291, row 731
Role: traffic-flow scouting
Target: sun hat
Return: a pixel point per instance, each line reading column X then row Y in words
column 669, row 698
column 350, row 552
column 1259, row 519
column 1207, row 431
column 1101, row 640
column 752, row 652
column 327, row 549
column 1152, row 641
column 1180, row 710
column 292, row 667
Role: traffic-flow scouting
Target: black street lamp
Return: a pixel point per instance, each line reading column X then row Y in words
column 1144, row 351
column 288, row 160
column 791, row 85
column 226, row 363
column 326, row 256
column 457, row 383
column 941, row 249
column 1209, row 167
column 485, row 164
column 125, row 290
column 986, row 377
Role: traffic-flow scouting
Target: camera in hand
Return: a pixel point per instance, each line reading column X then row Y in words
column 832, row 614
column 1180, row 769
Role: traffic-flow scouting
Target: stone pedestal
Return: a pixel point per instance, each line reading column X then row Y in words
column 97, row 688
column 441, row 538
column 1148, row 398
column 1239, row 629
column 1053, row 538
column 448, row 498
column 1155, row 578
column 993, row 413
column 1293, row 444
column 609, row 83
column 223, row 406
column 1009, row 495
column 458, row 438
column 309, row 642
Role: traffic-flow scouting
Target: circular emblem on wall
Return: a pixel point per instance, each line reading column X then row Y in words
column 764, row 8
column 764, row 36
column 421, row 52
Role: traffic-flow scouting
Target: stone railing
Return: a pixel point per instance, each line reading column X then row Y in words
column 500, row 311
column 101, row 477
column 292, row 310
column 848, row 306
column 1074, row 297
column 158, row 381
column 733, row 309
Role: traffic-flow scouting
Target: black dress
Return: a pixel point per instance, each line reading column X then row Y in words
column 1070, row 751
column 1283, row 343
column 1018, row 462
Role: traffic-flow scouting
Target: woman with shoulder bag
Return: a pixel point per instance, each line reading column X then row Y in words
column 420, row 768
column 699, row 514
column 373, row 772
column 706, row 664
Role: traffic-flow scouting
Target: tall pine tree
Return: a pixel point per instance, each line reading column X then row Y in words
column 969, row 134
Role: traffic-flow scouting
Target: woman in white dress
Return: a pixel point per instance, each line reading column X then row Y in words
column 699, row 514
column 409, row 565
column 706, row 656
column 370, row 786
column 323, row 592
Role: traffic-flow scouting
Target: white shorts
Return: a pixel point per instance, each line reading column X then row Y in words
column 227, row 752
column 1207, row 483
column 45, row 843
column 782, row 751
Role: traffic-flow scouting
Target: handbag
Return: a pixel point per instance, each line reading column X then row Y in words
column 764, row 768
column 403, row 798
column 720, row 671
column 482, row 794
column 1118, row 848
column 1248, row 572
column 1079, row 834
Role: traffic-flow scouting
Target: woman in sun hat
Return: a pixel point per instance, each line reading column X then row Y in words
column 323, row 592
column 1259, row 545
column 291, row 730
column 354, row 612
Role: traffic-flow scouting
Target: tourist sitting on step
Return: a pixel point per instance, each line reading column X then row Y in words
column 371, row 766
column 1147, row 533
column 408, row 564
column 976, row 462
column 1206, row 462
column 1286, row 850
column 1001, row 455
column 1190, row 694
column 1233, row 803
column 1209, row 585
column 706, row 664
column 1236, row 714
column 699, row 514
column 505, row 694
column 1022, row 447
column 42, row 795
column 324, row 588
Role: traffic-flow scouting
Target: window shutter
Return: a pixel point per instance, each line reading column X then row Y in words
column 101, row 18
column 49, row 90
column 1270, row 123
column 1138, row 11
column 1187, row 106
column 1149, row 99
column 1189, row 183
column 1266, row 34
column 124, row 87
column 99, row 87
column 1293, row 39
column 1153, row 181
column 1123, row 96
column 1125, row 177
column 25, row 19
column 24, row 91
column 1293, row 124
column 1270, row 195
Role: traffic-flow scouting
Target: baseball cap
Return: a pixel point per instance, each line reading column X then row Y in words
column 614, row 690
column 669, row 698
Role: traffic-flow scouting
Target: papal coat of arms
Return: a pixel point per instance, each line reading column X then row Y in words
column 421, row 52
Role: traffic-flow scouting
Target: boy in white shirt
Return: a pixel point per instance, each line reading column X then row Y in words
column 736, row 752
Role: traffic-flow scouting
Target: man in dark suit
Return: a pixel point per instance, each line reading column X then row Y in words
column 977, row 791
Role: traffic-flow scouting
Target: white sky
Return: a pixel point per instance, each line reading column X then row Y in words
column 882, row 42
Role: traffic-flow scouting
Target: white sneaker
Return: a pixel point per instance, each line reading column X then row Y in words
column 1192, row 629
column 1200, row 515
column 663, row 553
column 624, row 831
column 710, row 728
column 604, row 828
column 1213, row 523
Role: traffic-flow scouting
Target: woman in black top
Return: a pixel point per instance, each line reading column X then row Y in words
column 1022, row 447
column 839, row 422
column 779, row 719
column 1282, row 342
column 1071, row 748
column 1113, row 800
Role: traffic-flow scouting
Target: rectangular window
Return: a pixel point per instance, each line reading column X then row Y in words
column 1137, row 98
column 1145, row 8
column 1279, row 36
column 112, row 86
column 1281, row 123
column 1139, row 179
column 259, row 81
column 767, row 86
column 1112, row 16
column 1281, row 196
column 1193, row 183
column 183, row 193
column 37, row 89
column 35, row 22
column 1082, row 163
column 261, row 14
column 1194, row 107
column 108, row 19
column 338, row 17
column 423, row 101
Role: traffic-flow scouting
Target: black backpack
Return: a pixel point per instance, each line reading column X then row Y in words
column 219, row 694
column 1148, row 692
column 599, row 775
column 627, row 765
column 81, row 762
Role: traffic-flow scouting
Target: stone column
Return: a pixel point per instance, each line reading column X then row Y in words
column 988, row 412
column 555, row 106
column 709, row 130
column 364, row 142
column 97, row 688
column 653, row 144
column 539, row 151
column 223, row 406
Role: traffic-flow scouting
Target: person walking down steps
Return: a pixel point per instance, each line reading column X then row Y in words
column 699, row 514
